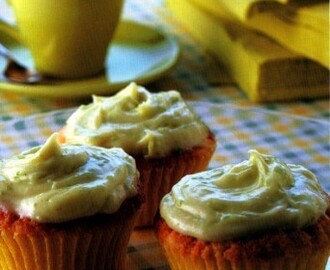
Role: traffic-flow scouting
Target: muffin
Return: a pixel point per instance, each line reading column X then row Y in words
column 162, row 133
column 258, row 214
column 67, row 207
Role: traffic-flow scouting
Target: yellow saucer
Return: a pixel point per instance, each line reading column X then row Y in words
column 138, row 53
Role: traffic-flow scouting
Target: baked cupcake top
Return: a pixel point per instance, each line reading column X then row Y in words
column 233, row 201
column 140, row 122
column 57, row 183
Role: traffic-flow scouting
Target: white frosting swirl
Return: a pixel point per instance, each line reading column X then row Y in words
column 56, row 183
column 140, row 122
column 235, row 200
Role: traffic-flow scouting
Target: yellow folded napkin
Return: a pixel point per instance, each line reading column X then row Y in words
column 302, row 26
column 265, row 70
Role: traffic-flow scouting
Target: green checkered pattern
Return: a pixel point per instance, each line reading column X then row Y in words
column 294, row 139
column 239, row 124
column 197, row 75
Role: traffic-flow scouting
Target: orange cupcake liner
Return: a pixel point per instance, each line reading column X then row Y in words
column 303, row 249
column 158, row 175
column 98, row 242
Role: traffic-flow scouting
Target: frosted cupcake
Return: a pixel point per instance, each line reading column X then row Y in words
column 67, row 207
column 258, row 214
column 159, row 130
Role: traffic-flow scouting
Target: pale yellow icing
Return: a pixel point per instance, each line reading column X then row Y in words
column 56, row 183
column 140, row 122
column 236, row 200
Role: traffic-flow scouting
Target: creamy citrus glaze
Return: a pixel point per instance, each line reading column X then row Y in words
column 235, row 200
column 56, row 183
column 138, row 121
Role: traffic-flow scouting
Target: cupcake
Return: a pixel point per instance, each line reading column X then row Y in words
column 67, row 207
column 258, row 214
column 162, row 133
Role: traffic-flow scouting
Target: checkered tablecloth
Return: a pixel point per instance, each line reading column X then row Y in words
column 294, row 139
column 297, row 132
column 197, row 75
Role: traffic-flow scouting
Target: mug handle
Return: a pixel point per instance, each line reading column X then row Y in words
column 7, row 28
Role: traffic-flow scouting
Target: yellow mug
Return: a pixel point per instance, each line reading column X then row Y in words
column 67, row 38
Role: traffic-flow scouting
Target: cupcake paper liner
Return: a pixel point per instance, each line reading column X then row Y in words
column 98, row 242
column 158, row 175
column 303, row 249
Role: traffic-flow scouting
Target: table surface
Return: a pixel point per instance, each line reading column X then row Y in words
column 298, row 131
column 197, row 75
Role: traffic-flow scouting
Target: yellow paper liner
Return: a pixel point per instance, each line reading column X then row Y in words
column 158, row 175
column 98, row 242
column 303, row 249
